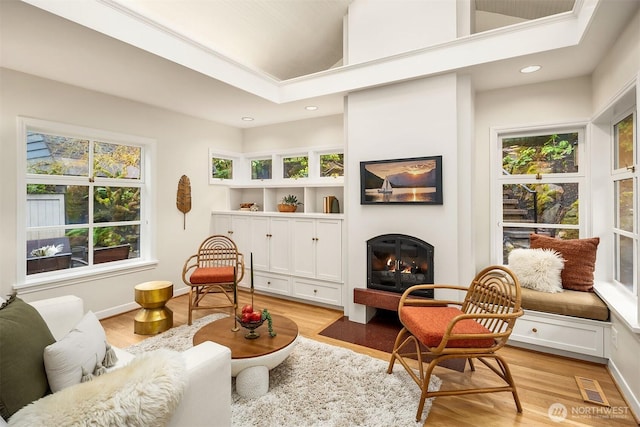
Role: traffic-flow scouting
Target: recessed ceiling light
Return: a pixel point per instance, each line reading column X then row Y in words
column 530, row 69
column 311, row 108
column 247, row 119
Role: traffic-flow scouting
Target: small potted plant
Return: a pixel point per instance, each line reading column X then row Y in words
column 289, row 203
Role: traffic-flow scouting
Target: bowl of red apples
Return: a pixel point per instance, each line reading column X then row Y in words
column 251, row 319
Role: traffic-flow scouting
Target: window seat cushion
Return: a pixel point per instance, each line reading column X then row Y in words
column 569, row 303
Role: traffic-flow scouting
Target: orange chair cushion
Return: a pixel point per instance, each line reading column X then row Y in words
column 428, row 325
column 205, row 275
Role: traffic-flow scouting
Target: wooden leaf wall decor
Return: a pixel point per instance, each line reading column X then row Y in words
column 183, row 200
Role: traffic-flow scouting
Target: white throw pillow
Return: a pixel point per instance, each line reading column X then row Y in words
column 82, row 348
column 537, row 269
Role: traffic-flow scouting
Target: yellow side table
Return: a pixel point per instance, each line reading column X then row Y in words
column 153, row 317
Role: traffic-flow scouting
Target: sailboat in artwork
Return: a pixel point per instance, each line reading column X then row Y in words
column 386, row 187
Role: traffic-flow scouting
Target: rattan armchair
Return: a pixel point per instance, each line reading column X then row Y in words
column 476, row 328
column 216, row 268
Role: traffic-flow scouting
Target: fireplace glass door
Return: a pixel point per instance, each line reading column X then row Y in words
column 396, row 261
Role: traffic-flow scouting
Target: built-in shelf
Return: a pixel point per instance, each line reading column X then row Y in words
column 267, row 198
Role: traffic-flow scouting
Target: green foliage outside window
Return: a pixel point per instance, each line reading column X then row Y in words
column 261, row 169
column 64, row 156
column 221, row 168
column 332, row 165
column 540, row 154
column 295, row 167
column 116, row 161
column 540, row 199
column 624, row 142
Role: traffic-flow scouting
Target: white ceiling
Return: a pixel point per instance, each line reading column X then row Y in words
column 268, row 40
column 283, row 38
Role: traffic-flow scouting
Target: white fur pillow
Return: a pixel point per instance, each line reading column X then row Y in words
column 537, row 269
column 146, row 392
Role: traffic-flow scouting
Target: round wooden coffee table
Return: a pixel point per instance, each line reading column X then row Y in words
column 251, row 359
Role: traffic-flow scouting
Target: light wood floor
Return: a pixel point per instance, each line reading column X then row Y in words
column 542, row 380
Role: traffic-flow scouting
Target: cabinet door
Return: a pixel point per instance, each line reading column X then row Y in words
column 221, row 224
column 329, row 249
column 279, row 245
column 304, row 247
column 259, row 243
column 241, row 234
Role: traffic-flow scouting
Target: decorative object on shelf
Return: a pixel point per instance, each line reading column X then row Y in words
column 254, row 207
column 246, row 206
column 331, row 205
column 252, row 319
column 183, row 199
column 289, row 203
column 415, row 180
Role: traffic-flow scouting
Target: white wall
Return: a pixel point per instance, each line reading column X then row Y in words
column 182, row 148
column 618, row 67
column 536, row 104
column 325, row 131
column 381, row 28
column 412, row 119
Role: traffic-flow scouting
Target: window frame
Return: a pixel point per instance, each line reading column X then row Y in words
column 498, row 179
column 317, row 164
column 237, row 166
column 618, row 175
column 297, row 154
column 146, row 223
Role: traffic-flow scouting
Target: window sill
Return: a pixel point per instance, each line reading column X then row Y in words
column 65, row 278
column 620, row 302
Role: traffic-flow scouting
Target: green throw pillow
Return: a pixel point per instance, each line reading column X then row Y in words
column 23, row 337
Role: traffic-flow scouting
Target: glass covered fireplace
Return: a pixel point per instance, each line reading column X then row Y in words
column 396, row 261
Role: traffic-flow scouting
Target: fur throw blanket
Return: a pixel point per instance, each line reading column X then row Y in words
column 143, row 393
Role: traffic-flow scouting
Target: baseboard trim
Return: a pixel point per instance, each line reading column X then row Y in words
column 557, row 352
column 130, row 306
column 625, row 390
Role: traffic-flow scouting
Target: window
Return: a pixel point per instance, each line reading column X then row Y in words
column 625, row 178
column 331, row 165
column 295, row 167
column 539, row 187
column 221, row 168
column 85, row 196
column 261, row 168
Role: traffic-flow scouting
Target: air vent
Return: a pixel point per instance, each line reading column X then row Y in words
column 591, row 391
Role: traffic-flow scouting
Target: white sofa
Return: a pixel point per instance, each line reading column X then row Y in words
column 207, row 398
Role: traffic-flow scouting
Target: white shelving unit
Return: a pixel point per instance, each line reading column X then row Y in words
column 295, row 254
column 268, row 197
column 268, row 193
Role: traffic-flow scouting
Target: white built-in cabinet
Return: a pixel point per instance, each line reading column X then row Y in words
column 294, row 254
column 317, row 242
column 271, row 243
column 581, row 338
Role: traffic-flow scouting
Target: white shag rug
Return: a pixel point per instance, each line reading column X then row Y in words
column 318, row 385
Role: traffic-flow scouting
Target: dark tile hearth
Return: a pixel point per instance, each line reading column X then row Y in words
column 380, row 334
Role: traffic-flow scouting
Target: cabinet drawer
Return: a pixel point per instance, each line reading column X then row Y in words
column 327, row 293
column 577, row 335
column 270, row 283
